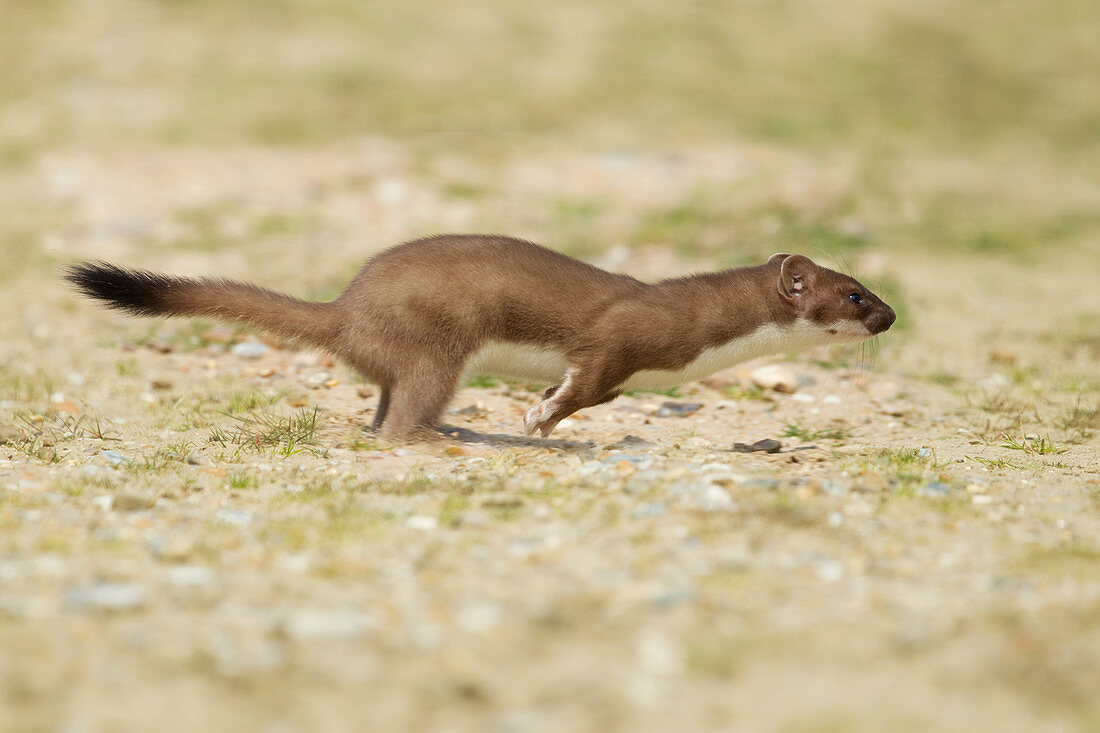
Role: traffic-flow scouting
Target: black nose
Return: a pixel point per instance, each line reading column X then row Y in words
column 883, row 319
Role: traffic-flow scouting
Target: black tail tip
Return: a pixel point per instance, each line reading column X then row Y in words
column 136, row 291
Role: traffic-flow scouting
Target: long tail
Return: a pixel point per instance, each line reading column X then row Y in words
column 146, row 293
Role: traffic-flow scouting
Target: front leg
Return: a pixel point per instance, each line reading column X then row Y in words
column 582, row 387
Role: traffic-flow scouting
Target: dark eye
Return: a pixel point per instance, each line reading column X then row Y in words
column 856, row 298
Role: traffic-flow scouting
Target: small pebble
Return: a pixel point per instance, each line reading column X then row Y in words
column 775, row 377
column 713, row 499
column 640, row 462
column 132, row 501
column 479, row 618
column 249, row 349
column 217, row 335
column 297, row 563
column 318, row 380
column 321, row 624
column 762, row 482
column 419, row 521
column 652, row 509
column 936, row 488
column 633, row 441
column 995, row 382
column 10, row 434
column 113, row 457
column 190, row 576
column 678, row 409
column 173, row 547
column 767, row 445
column 472, row 518
column 829, row 571
column 109, row 597
column 521, row 547
column 238, row 517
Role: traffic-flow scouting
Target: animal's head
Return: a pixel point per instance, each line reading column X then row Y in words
column 839, row 304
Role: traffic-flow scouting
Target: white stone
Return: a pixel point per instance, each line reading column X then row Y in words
column 419, row 521
column 190, row 575
column 775, row 377
column 316, row 624
column 107, row 597
column 249, row 349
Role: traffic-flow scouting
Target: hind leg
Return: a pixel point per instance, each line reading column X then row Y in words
column 364, row 362
column 418, row 400
column 381, row 410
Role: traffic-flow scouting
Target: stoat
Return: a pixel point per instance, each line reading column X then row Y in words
column 420, row 316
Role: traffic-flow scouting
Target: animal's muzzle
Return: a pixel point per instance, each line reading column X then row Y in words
column 881, row 320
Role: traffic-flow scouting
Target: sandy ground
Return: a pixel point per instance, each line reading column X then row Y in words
column 182, row 547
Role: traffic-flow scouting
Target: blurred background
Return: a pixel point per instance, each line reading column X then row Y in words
column 942, row 125
column 887, row 76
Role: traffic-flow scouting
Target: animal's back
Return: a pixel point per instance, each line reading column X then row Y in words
column 465, row 284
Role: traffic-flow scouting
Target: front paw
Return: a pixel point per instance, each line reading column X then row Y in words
column 542, row 418
column 533, row 418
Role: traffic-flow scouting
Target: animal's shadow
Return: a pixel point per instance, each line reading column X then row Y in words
column 501, row 440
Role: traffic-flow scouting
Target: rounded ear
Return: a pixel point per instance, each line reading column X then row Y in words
column 794, row 276
column 777, row 257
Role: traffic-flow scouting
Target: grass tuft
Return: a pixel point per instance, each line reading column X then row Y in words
column 796, row 430
column 1039, row 445
column 262, row 433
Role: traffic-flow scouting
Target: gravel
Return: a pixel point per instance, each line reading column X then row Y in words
column 630, row 573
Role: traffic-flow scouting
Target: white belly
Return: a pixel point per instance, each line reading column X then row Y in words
column 761, row 342
column 548, row 365
column 519, row 361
